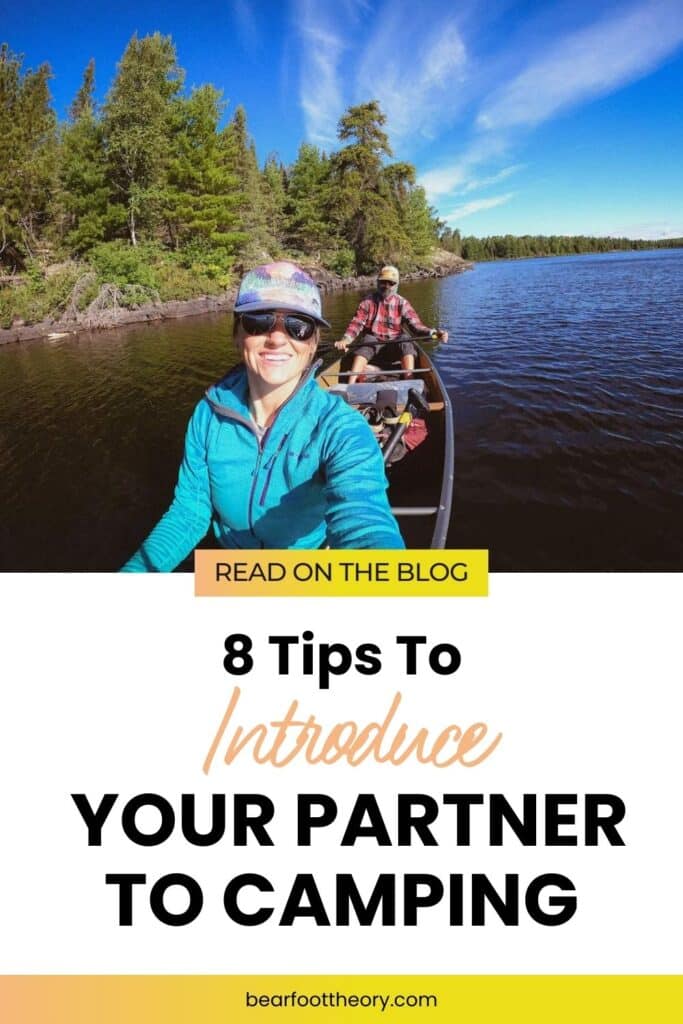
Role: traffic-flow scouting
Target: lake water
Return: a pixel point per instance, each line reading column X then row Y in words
column 565, row 376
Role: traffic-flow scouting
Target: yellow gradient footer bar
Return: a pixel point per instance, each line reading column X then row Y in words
column 224, row 1000
column 341, row 573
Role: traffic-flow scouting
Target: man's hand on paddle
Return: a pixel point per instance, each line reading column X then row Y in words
column 442, row 335
column 343, row 344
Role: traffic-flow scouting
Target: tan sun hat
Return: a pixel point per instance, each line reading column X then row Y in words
column 388, row 274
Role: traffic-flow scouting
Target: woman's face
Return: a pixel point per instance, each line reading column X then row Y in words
column 275, row 358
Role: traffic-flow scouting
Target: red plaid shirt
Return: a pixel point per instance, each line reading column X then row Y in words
column 384, row 317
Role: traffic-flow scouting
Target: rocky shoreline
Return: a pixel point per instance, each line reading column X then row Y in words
column 445, row 265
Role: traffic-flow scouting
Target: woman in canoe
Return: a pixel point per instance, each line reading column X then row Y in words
column 271, row 459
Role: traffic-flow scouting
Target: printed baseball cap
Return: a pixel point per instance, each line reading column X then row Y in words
column 279, row 286
column 388, row 274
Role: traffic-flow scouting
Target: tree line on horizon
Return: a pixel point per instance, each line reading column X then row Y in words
column 505, row 247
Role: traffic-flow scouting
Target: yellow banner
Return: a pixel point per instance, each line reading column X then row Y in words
column 341, row 573
column 536, row 999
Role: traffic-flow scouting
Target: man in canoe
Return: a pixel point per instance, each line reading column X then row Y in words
column 380, row 320
column 271, row 459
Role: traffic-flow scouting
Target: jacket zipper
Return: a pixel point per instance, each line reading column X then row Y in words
column 230, row 414
column 262, row 442
column 254, row 478
column 271, row 467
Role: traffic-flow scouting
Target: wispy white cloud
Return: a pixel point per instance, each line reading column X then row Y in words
column 492, row 179
column 583, row 64
column 476, row 206
column 588, row 63
column 442, row 181
column 320, row 90
column 355, row 9
column 414, row 64
column 455, row 177
column 409, row 60
column 243, row 14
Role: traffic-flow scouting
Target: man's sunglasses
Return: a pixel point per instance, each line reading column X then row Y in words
column 389, row 283
column 298, row 327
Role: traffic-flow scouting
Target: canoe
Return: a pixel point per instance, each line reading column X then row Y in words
column 421, row 480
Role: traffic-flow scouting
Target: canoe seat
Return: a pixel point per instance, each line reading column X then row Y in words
column 366, row 393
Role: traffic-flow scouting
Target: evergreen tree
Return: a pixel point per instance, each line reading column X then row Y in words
column 363, row 206
column 199, row 196
column 87, row 211
column 449, row 238
column 241, row 160
column 137, row 125
column 419, row 222
column 416, row 230
column 399, row 178
column 308, row 228
column 28, row 165
column 84, row 100
column 274, row 192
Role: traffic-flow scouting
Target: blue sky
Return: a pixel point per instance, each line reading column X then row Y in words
column 550, row 117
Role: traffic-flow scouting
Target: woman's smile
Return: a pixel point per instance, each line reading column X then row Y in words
column 274, row 360
column 269, row 355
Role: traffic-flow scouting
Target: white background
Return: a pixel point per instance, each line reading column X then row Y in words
column 116, row 684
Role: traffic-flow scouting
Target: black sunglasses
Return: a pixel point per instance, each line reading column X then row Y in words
column 386, row 282
column 298, row 327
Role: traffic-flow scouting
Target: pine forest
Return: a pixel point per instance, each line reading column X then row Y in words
column 156, row 194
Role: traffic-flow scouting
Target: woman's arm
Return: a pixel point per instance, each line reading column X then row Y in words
column 181, row 528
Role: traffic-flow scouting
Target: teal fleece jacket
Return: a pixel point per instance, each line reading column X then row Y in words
column 315, row 478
